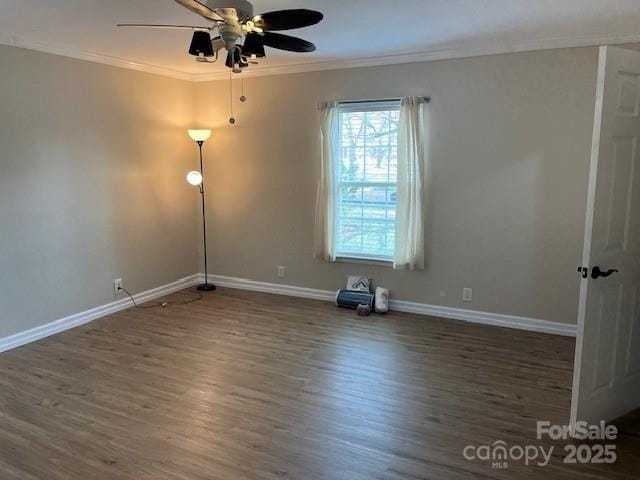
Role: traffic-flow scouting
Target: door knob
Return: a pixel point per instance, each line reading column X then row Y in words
column 597, row 273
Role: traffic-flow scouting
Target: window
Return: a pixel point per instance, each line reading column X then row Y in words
column 366, row 175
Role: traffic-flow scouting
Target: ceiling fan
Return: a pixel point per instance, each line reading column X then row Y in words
column 234, row 21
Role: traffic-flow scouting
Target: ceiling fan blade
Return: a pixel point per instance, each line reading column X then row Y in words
column 200, row 9
column 175, row 27
column 286, row 42
column 287, row 19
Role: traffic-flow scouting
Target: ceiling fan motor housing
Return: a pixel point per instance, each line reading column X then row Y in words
column 230, row 32
column 243, row 8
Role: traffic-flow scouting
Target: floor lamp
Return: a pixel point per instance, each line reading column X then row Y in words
column 196, row 179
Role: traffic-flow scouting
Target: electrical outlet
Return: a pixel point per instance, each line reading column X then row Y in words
column 467, row 294
column 117, row 285
column 281, row 271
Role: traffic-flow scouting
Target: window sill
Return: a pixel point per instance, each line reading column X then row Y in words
column 366, row 261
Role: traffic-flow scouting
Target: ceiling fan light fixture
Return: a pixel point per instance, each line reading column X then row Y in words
column 201, row 45
column 235, row 19
column 235, row 60
column 253, row 45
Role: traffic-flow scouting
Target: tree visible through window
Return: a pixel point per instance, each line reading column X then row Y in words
column 366, row 175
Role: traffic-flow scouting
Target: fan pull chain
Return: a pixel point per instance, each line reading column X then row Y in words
column 232, row 119
column 242, row 97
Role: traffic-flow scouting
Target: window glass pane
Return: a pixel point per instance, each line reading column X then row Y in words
column 375, row 196
column 352, row 165
column 350, row 236
column 374, row 238
column 391, row 200
column 377, row 128
column 349, row 201
column 393, row 164
column 377, row 163
column 370, row 212
column 366, row 175
column 353, row 128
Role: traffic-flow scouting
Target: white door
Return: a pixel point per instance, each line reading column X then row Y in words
column 606, row 380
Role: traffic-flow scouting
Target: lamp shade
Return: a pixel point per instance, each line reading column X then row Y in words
column 253, row 45
column 200, row 135
column 194, row 178
column 201, row 45
column 235, row 58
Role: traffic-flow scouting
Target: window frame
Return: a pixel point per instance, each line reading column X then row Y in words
column 364, row 107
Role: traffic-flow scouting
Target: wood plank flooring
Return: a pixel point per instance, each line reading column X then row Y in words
column 253, row 386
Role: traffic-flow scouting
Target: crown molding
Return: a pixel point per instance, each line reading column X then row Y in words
column 445, row 53
column 354, row 63
column 72, row 52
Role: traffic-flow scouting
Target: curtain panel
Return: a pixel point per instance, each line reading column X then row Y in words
column 410, row 209
column 324, row 239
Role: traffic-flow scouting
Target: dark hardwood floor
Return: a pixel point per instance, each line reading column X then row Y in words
column 252, row 386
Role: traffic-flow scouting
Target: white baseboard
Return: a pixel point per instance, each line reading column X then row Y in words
column 275, row 288
column 28, row 336
column 484, row 318
column 472, row 316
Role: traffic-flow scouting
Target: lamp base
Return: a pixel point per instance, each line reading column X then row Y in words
column 206, row 288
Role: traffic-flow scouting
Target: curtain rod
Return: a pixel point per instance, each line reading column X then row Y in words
column 380, row 100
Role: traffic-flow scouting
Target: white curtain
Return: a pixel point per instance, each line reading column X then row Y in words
column 409, row 242
column 324, row 241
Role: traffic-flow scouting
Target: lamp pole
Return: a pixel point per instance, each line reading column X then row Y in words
column 206, row 287
column 197, row 179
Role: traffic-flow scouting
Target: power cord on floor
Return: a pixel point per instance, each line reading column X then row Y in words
column 163, row 304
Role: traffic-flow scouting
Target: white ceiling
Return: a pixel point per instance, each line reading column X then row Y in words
column 354, row 32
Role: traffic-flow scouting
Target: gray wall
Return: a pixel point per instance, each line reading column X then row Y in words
column 92, row 164
column 509, row 143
